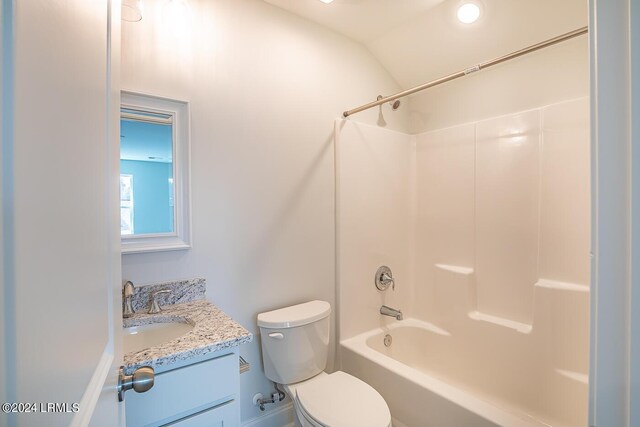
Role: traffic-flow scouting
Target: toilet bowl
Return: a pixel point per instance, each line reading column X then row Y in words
column 295, row 344
column 338, row 400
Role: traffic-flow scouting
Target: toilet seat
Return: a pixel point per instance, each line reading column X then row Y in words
column 342, row 400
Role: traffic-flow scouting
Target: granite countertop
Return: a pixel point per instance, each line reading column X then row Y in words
column 212, row 331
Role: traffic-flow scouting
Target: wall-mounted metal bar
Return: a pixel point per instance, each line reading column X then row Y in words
column 470, row 70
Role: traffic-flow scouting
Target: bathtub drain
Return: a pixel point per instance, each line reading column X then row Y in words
column 387, row 340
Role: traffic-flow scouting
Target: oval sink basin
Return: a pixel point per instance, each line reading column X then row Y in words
column 137, row 338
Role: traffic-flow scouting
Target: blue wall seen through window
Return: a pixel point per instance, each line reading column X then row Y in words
column 146, row 155
column 152, row 195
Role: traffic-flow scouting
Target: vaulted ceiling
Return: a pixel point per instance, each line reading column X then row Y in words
column 421, row 40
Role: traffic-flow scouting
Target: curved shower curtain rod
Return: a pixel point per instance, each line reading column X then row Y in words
column 470, row 70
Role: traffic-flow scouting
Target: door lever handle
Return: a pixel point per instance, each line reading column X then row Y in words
column 140, row 381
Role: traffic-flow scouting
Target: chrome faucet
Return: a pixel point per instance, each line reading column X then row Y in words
column 155, row 307
column 392, row 312
column 128, row 296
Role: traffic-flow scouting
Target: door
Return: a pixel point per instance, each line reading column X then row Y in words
column 60, row 251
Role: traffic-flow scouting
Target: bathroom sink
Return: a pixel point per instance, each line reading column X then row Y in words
column 137, row 338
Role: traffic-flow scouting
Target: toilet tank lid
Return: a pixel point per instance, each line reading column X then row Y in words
column 296, row 315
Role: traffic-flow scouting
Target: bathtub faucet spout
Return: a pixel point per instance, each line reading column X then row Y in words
column 392, row 312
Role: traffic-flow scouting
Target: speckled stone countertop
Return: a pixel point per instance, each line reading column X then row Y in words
column 212, row 331
column 181, row 291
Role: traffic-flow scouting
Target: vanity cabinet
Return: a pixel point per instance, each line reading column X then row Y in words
column 193, row 393
column 220, row 416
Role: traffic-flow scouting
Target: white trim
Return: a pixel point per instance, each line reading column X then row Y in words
column 6, row 95
column 278, row 417
column 614, row 315
column 180, row 238
column 92, row 392
column 634, row 300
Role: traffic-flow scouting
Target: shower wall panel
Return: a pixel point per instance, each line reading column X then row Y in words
column 505, row 200
column 445, row 217
column 374, row 222
column 565, row 214
column 507, row 188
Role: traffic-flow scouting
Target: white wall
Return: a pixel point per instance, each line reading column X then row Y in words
column 265, row 88
column 546, row 77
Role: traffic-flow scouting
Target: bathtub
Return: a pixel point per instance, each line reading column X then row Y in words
column 428, row 378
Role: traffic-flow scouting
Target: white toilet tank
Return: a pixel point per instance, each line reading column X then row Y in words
column 295, row 341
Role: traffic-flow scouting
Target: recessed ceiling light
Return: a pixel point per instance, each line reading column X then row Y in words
column 326, row 1
column 468, row 13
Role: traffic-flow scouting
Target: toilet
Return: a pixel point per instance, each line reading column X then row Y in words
column 295, row 345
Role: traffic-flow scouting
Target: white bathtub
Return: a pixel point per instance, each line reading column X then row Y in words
column 430, row 379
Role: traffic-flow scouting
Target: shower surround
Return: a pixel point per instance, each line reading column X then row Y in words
column 486, row 229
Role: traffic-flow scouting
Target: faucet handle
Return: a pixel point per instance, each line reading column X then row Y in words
column 155, row 307
column 384, row 278
column 128, row 290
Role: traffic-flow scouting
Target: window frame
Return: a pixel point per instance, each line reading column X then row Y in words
column 180, row 237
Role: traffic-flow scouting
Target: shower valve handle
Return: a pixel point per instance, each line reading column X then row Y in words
column 386, row 279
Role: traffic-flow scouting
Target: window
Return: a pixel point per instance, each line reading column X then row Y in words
column 154, row 154
column 126, row 204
